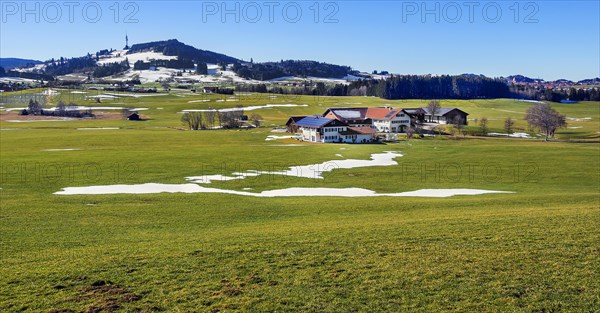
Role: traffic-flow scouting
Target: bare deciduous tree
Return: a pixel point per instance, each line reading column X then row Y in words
column 410, row 132
column 192, row 119
column 433, row 108
column 541, row 116
column 483, row 124
column 508, row 125
column 230, row 119
column 256, row 118
column 61, row 108
column 459, row 123
column 210, row 118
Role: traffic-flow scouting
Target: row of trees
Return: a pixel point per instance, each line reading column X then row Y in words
column 433, row 87
column 310, row 89
column 67, row 66
column 217, row 119
column 271, row 70
column 62, row 109
column 176, row 64
column 111, row 69
column 400, row 87
column 539, row 93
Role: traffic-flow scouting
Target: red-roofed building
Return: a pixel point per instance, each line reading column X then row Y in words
column 388, row 120
column 383, row 119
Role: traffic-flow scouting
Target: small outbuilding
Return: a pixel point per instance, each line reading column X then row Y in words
column 210, row 89
column 134, row 117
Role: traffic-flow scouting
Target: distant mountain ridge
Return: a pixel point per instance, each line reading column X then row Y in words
column 10, row 63
column 519, row 79
column 593, row 81
column 98, row 65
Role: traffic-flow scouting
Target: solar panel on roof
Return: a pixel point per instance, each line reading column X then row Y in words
column 312, row 121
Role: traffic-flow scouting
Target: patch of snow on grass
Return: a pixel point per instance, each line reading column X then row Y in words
column 313, row 171
column 98, row 128
column 65, row 149
column 131, row 189
column 513, row 135
column 64, row 119
column 50, row 92
column 83, row 108
column 249, row 108
column 532, row 101
column 271, row 137
column 307, row 171
column 152, row 188
column 577, row 119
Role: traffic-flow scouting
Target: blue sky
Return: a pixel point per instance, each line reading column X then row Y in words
column 545, row 39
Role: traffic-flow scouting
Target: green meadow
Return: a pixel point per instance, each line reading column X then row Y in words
column 536, row 249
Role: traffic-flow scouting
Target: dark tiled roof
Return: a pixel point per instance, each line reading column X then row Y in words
column 294, row 119
column 442, row 111
column 344, row 114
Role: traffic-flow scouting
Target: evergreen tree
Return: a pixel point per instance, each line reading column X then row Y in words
column 201, row 68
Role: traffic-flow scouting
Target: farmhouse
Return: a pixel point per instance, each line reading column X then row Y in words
column 321, row 129
column 388, row 120
column 446, row 116
column 363, row 125
column 383, row 119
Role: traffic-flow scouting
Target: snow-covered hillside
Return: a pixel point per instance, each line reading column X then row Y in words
column 158, row 74
column 118, row 56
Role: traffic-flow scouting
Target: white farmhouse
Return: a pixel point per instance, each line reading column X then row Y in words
column 388, row 120
column 328, row 130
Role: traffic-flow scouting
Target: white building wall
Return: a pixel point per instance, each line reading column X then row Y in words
column 393, row 125
column 358, row 138
column 332, row 135
column 310, row 134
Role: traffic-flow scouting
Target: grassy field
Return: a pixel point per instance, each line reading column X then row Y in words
column 534, row 250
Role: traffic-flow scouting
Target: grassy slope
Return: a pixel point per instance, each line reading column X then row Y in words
column 534, row 250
